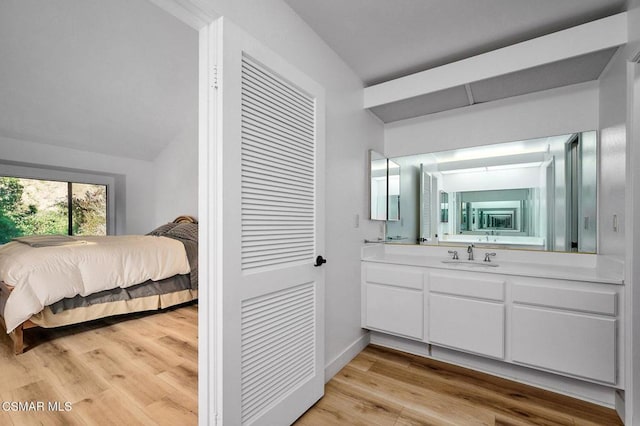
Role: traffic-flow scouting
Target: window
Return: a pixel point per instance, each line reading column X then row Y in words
column 37, row 206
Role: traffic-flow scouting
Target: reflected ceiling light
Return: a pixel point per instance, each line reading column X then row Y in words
column 492, row 168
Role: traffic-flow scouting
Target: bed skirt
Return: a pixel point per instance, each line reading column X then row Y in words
column 47, row 319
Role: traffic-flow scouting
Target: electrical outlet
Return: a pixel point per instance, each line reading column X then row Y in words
column 356, row 221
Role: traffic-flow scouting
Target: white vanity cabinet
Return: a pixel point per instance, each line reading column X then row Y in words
column 561, row 326
column 466, row 312
column 393, row 300
column 566, row 327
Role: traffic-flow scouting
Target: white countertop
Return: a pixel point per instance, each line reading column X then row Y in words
column 563, row 266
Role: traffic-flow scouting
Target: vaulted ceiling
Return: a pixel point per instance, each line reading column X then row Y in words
column 117, row 77
column 120, row 76
column 383, row 40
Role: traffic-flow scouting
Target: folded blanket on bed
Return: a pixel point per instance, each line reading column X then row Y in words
column 187, row 233
column 50, row 240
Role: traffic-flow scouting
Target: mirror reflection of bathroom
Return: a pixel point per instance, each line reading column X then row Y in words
column 537, row 194
column 394, row 191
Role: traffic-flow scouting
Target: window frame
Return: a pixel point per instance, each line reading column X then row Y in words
column 27, row 172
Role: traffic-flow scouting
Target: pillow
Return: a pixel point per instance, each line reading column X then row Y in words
column 185, row 231
column 162, row 229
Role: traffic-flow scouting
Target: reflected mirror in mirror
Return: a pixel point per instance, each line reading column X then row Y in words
column 378, row 185
column 384, row 188
column 537, row 194
column 394, row 190
column 444, row 207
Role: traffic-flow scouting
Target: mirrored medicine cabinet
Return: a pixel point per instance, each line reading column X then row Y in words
column 537, row 194
column 384, row 188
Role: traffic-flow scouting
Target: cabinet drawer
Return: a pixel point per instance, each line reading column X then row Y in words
column 599, row 302
column 565, row 342
column 394, row 310
column 401, row 276
column 472, row 285
column 471, row 325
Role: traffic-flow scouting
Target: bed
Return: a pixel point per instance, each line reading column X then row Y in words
column 54, row 281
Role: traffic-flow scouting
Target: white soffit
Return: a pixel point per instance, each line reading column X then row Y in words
column 549, row 76
column 443, row 100
column 583, row 39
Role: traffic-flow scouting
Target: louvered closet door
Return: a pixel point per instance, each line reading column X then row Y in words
column 272, row 305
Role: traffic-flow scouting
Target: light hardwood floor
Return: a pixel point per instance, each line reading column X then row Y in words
column 138, row 369
column 385, row 387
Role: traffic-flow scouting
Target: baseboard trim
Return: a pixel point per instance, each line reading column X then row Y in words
column 586, row 391
column 336, row 364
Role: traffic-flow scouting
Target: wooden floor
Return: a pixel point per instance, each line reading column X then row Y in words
column 385, row 387
column 138, row 370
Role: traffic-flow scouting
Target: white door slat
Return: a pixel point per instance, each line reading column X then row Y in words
column 259, row 120
column 277, row 87
column 257, row 138
column 269, row 150
column 283, row 106
column 261, row 166
column 276, row 112
column 276, row 163
column 272, row 83
column 279, row 91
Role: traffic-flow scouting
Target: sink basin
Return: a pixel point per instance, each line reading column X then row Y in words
column 470, row 264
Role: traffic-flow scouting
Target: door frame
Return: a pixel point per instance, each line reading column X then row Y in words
column 202, row 17
column 631, row 402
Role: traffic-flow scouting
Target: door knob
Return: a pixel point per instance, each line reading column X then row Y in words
column 320, row 260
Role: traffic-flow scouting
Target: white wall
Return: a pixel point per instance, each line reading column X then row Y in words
column 552, row 112
column 175, row 172
column 133, row 178
column 632, row 234
column 613, row 116
column 350, row 133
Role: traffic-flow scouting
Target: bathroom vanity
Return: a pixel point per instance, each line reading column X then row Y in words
column 549, row 319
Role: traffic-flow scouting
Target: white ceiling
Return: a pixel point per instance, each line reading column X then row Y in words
column 386, row 39
column 117, row 77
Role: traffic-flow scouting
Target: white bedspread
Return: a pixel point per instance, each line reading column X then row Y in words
column 44, row 275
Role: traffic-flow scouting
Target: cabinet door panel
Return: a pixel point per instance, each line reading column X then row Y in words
column 471, row 325
column 395, row 310
column 571, row 343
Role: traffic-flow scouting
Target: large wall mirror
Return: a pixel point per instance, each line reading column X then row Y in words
column 537, row 194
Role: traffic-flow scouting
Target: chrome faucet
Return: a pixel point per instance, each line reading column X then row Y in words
column 487, row 256
column 470, row 251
